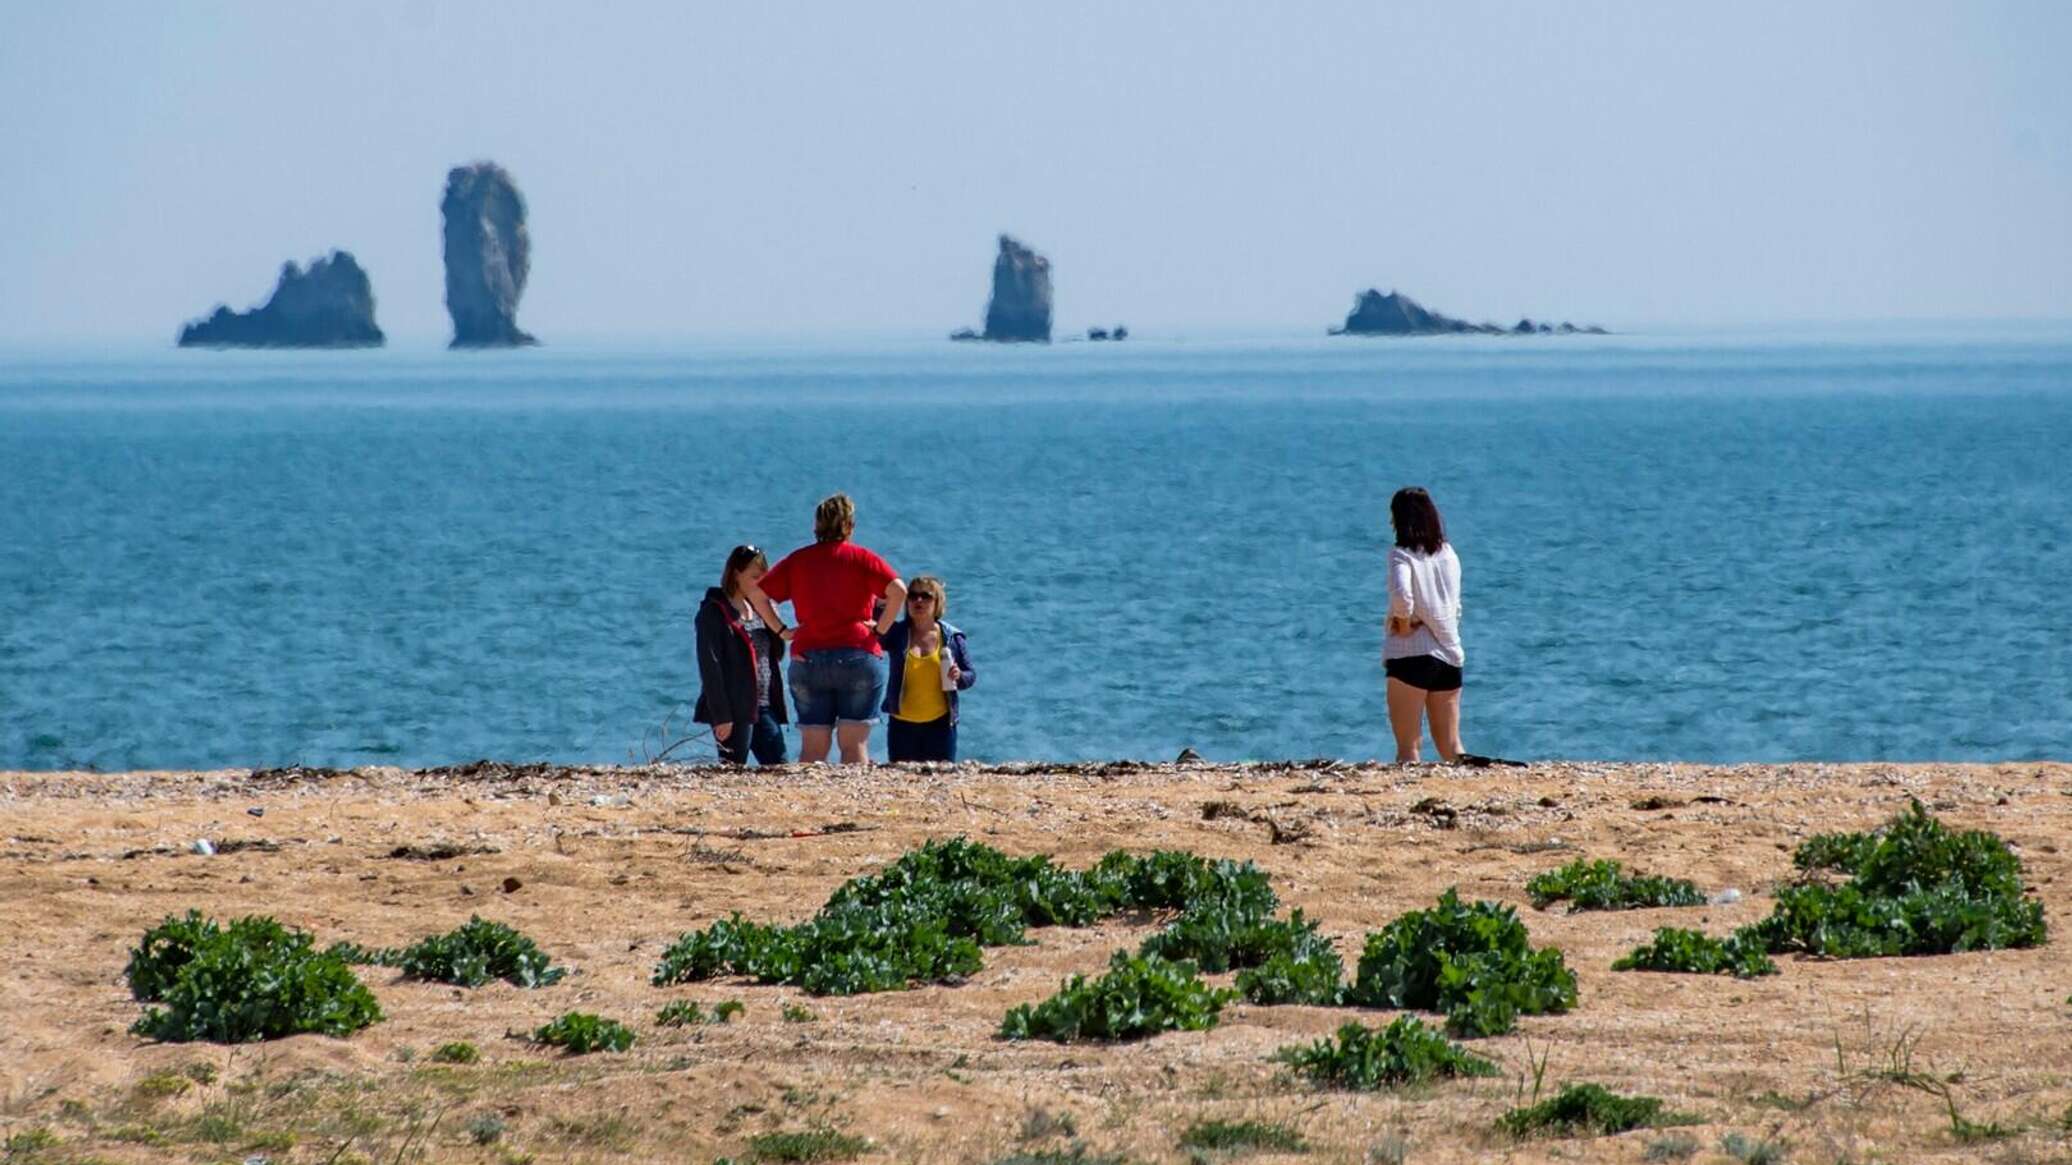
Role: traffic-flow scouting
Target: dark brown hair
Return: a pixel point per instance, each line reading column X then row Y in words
column 739, row 559
column 1416, row 519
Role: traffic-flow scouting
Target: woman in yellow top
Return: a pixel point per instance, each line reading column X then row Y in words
column 931, row 664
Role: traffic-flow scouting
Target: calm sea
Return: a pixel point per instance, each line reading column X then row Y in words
column 1706, row 547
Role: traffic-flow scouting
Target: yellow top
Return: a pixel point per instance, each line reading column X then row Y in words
column 920, row 688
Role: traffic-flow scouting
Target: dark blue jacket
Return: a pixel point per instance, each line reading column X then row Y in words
column 895, row 643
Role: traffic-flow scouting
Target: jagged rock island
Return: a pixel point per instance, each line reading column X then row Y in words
column 1019, row 311
column 1394, row 314
column 488, row 254
column 330, row 305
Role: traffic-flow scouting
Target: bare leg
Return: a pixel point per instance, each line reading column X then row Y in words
column 856, row 743
column 813, row 744
column 1444, row 710
column 1406, row 716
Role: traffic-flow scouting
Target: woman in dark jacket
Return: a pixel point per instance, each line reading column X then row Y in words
column 740, row 665
column 931, row 664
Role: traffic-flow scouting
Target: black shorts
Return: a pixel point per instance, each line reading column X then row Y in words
column 1424, row 671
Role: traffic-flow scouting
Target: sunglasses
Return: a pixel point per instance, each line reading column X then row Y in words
column 923, row 598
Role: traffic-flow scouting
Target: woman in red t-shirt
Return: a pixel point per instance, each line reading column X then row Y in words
column 838, row 667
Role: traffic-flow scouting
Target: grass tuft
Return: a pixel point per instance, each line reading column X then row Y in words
column 1589, row 1109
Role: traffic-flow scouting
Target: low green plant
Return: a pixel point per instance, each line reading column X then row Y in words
column 1693, row 952
column 485, row 1128
column 1752, row 1150
column 680, row 1013
column 1077, row 1155
column 1589, row 1109
column 726, row 1009
column 925, row 917
column 1238, row 1137
column 1139, row 996
column 1605, row 885
column 1365, row 1059
column 1473, row 963
column 477, row 951
column 162, row 1085
column 251, row 980
column 1309, row 973
column 1915, row 887
column 820, row 1144
column 793, row 1013
column 1672, row 1147
column 582, row 1033
column 458, row 1052
column 29, row 1143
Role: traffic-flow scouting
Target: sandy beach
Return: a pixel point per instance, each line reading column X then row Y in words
column 606, row 866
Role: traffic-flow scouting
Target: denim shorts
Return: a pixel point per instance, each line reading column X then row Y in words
column 839, row 686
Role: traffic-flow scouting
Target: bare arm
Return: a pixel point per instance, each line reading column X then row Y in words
column 766, row 610
column 895, row 602
column 1402, row 607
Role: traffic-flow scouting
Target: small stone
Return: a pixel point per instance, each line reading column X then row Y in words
column 467, row 891
column 513, row 885
column 203, row 847
column 257, row 811
column 1726, row 897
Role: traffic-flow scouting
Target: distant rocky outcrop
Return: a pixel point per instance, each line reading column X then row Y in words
column 329, row 305
column 1394, row 314
column 1118, row 332
column 1020, row 308
column 488, row 255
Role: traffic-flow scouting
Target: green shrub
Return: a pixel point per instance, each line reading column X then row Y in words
column 685, row 1012
column 1589, row 1108
column 1141, row 995
column 1605, row 885
column 476, row 952
column 924, row 918
column 1218, row 936
column 582, row 1033
column 1236, row 1137
column 1364, row 1059
column 1916, row 888
column 485, row 1128
column 1473, row 963
column 458, row 1052
column 821, row 1144
column 1693, row 952
column 1309, row 973
column 793, row 1013
column 252, row 980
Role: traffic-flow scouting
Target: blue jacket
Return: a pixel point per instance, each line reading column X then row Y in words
column 895, row 643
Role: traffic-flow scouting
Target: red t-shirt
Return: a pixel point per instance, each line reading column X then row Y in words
column 832, row 588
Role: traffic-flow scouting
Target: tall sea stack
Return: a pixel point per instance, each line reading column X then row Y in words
column 330, row 305
column 1020, row 307
column 487, row 256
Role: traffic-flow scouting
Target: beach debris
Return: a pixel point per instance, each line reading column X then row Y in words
column 1443, row 815
column 234, row 845
column 1212, row 810
column 1655, row 801
column 257, row 811
column 202, row 846
column 441, row 851
column 1726, row 897
column 513, row 885
column 1187, row 757
column 610, row 801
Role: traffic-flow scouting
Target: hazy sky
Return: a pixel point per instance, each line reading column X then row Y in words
column 711, row 169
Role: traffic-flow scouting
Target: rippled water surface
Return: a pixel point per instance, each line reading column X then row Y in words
column 1699, row 547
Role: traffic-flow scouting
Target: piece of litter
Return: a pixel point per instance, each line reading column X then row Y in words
column 1726, row 897
column 201, row 846
column 257, row 811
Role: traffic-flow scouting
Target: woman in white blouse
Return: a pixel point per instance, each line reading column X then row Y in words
column 1421, row 652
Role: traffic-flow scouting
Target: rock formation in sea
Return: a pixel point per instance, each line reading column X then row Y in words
column 1394, row 314
column 488, row 254
column 329, row 305
column 1020, row 307
column 1118, row 332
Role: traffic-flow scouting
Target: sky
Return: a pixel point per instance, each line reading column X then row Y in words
column 809, row 168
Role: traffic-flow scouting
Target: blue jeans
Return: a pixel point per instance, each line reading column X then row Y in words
column 839, row 686
column 763, row 736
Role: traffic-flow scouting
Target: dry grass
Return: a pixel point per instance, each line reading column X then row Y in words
column 1959, row 1058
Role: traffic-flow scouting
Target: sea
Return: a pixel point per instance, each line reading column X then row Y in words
column 1713, row 546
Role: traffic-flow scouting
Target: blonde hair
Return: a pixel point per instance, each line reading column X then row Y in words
column 928, row 584
column 834, row 519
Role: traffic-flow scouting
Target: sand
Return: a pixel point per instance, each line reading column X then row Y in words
column 607, row 866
